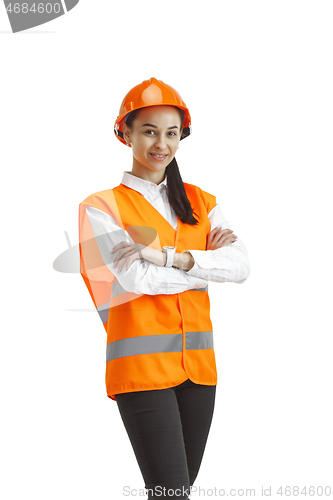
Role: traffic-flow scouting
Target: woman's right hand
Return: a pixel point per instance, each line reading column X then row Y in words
column 218, row 238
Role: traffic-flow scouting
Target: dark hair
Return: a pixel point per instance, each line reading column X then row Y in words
column 175, row 188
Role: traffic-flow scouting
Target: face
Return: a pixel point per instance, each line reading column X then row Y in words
column 154, row 137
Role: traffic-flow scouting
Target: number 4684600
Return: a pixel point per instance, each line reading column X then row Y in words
column 38, row 8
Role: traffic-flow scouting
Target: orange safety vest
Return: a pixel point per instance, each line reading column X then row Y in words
column 153, row 341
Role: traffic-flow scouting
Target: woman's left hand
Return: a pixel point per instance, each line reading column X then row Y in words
column 127, row 253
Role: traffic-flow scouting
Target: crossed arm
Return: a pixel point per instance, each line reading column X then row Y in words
column 140, row 269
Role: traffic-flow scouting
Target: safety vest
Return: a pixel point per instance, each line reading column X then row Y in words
column 153, row 341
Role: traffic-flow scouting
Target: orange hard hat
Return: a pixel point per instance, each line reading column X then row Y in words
column 151, row 92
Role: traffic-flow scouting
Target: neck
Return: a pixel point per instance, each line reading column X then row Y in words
column 148, row 175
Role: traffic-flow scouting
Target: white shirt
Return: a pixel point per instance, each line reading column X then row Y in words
column 229, row 263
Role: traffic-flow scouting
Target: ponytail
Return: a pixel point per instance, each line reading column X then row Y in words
column 177, row 195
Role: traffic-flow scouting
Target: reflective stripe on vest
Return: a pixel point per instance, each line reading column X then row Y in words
column 150, row 344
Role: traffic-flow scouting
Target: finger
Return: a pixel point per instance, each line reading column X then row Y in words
column 120, row 245
column 214, row 231
column 223, row 241
column 221, row 234
column 211, row 234
column 229, row 239
column 118, row 257
column 117, row 247
column 121, row 264
column 127, row 260
column 123, row 253
column 115, row 263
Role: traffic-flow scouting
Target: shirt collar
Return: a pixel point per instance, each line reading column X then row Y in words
column 141, row 185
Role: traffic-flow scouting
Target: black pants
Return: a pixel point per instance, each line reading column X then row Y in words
column 168, row 430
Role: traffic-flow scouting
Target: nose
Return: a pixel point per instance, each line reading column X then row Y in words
column 160, row 143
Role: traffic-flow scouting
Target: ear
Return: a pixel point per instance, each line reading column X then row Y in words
column 126, row 133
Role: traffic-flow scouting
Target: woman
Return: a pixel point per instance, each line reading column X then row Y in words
column 148, row 249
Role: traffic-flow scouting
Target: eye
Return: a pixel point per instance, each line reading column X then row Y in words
column 152, row 132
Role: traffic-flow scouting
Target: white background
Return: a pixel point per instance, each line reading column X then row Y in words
column 257, row 77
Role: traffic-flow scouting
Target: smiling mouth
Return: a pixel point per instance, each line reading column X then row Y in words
column 155, row 155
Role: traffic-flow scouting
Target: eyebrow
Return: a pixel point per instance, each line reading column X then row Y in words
column 151, row 125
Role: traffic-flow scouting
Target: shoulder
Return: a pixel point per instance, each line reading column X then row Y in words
column 100, row 196
column 207, row 198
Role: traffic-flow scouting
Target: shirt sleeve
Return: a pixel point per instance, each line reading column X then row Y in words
column 229, row 263
column 143, row 276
